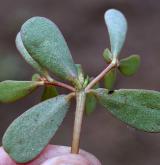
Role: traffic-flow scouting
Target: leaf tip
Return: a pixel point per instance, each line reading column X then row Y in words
column 117, row 28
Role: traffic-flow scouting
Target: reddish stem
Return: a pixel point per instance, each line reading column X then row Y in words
column 60, row 84
column 100, row 76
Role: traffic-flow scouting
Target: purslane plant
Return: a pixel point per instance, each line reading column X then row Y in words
column 42, row 45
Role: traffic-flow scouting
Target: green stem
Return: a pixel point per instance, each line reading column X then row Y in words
column 80, row 99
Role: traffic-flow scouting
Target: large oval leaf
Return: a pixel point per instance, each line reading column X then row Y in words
column 45, row 43
column 117, row 29
column 27, row 136
column 11, row 91
column 138, row 108
column 27, row 56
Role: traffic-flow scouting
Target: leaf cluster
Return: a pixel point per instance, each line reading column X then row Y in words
column 43, row 46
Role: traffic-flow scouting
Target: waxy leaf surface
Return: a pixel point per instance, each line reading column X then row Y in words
column 29, row 134
column 11, row 91
column 117, row 29
column 45, row 43
column 129, row 66
column 138, row 108
column 27, row 56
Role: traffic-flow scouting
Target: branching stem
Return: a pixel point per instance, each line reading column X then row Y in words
column 60, row 84
column 100, row 76
column 80, row 99
column 80, row 103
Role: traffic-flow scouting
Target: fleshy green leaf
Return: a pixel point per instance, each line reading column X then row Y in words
column 27, row 56
column 29, row 134
column 110, row 78
column 90, row 104
column 138, row 108
column 117, row 29
column 45, row 43
column 49, row 92
column 107, row 55
column 91, row 101
column 11, row 91
column 129, row 66
column 36, row 77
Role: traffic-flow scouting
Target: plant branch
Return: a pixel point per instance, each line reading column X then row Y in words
column 60, row 84
column 100, row 76
column 80, row 99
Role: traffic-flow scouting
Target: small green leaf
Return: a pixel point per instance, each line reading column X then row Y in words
column 27, row 56
column 15, row 90
column 138, row 108
column 86, row 81
column 36, row 77
column 49, row 92
column 107, row 56
column 45, row 43
column 80, row 73
column 109, row 79
column 129, row 66
column 29, row 134
column 117, row 29
column 90, row 104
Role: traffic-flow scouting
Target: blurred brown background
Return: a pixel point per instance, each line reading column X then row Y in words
column 83, row 27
